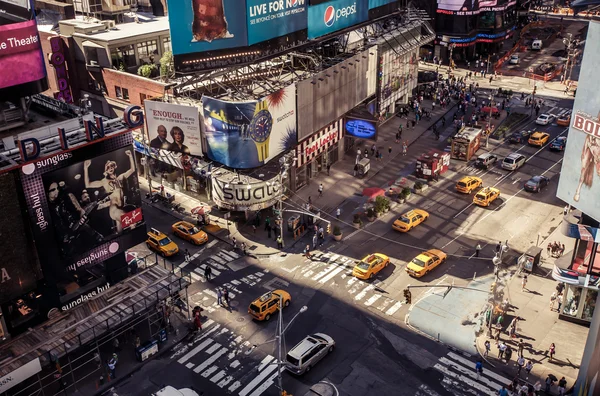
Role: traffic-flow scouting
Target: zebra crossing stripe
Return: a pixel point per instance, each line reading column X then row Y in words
column 213, row 348
column 236, row 282
column 201, row 269
column 470, row 372
column 264, row 374
column 218, row 376
column 372, row 300
column 265, row 362
column 227, row 255
column 488, row 373
column 234, row 386
column 209, row 371
column 385, row 304
column 234, row 364
column 216, row 265
column 265, row 385
column 211, row 243
column 364, row 292
column 190, row 365
column 468, row 381
column 324, row 272
column 332, row 274
column 196, row 278
column 394, row 308
column 232, row 254
column 194, row 351
column 210, row 360
column 225, row 381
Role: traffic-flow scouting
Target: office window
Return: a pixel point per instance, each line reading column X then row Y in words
column 125, row 93
column 166, row 44
column 147, row 48
column 123, row 57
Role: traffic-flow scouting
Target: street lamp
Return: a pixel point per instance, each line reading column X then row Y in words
column 451, row 46
column 496, row 260
column 489, row 127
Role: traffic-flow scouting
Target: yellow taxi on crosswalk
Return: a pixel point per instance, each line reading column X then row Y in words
column 368, row 267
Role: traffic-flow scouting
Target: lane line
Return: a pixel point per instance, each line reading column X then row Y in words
column 466, row 380
column 265, row 385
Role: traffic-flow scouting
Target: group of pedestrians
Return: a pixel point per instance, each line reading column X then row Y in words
column 555, row 249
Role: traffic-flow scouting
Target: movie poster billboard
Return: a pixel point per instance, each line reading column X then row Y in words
column 249, row 134
column 173, row 127
column 579, row 183
column 207, row 25
column 20, row 48
column 268, row 19
column 335, row 15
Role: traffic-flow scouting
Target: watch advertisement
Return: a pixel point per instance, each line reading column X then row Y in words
column 206, row 25
column 268, row 19
column 173, row 127
column 249, row 134
column 335, row 15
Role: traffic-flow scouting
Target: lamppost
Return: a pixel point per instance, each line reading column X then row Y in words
column 496, row 260
column 568, row 42
column 283, row 174
column 533, row 98
column 451, row 46
column 489, row 126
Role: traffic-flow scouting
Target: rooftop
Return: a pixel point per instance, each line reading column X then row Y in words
column 123, row 31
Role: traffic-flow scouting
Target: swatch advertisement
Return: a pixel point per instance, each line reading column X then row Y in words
column 20, row 49
column 206, row 25
column 335, row 15
column 249, row 134
column 361, row 129
column 268, row 19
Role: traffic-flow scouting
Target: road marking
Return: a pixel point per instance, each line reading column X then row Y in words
column 364, row 292
column 385, row 304
column 234, row 386
column 196, row 278
column 218, row 259
column 214, row 264
column 372, row 300
column 227, row 255
column 265, row 385
column 236, row 282
column 267, row 359
column 210, row 360
column 213, row 348
column 470, row 372
column 194, row 351
column 264, row 374
column 324, row 272
column 394, row 308
column 210, row 293
column 468, row 381
column 190, row 365
column 209, row 371
column 235, row 363
column 332, row 275
column 200, row 270
column 192, row 257
column 218, row 376
column 225, row 381
column 211, row 243
column 489, row 373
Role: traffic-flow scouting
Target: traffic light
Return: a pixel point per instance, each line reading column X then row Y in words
column 534, row 89
column 407, row 296
column 329, row 228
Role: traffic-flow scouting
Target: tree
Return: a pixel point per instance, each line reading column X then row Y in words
column 167, row 68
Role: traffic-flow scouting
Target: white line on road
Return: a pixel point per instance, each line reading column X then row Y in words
column 210, row 360
column 225, row 381
column 267, row 359
column 332, row 275
column 364, row 292
column 470, row 372
column 263, row 374
column 194, row 351
column 211, row 243
column 218, row 376
column 372, row 300
column 489, row 373
column 394, row 308
column 466, row 380
column 265, row 385
column 209, row 371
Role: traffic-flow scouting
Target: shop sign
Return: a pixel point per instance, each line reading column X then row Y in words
column 318, row 145
column 84, row 297
column 57, row 59
column 20, row 375
column 245, row 196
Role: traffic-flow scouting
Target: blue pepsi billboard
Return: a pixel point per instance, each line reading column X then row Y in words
column 268, row 19
column 335, row 15
column 361, row 129
column 206, row 25
column 379, row 3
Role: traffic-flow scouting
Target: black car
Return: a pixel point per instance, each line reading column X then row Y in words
column 536, row 183
column 519, row 137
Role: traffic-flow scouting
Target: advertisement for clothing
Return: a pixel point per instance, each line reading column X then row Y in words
column 249, row 134
column 173, row 127
column 268, row 19
column 207, row 25
column 335, row 15
column 579, row 184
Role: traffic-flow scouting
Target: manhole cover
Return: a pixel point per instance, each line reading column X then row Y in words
column 240, row 319
column 234, row 303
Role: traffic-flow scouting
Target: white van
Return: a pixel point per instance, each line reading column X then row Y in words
column 170, row 391
column 536, row 45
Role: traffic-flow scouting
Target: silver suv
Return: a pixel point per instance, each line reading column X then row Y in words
column 301, row 358
column 514, row 161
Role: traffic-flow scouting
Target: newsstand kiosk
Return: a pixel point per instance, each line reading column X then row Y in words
column 431, row 165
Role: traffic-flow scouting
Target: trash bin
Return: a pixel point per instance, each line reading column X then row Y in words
column 145, row 351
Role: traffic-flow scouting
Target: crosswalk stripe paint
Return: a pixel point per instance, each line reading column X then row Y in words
column 209, row 371
column 189, row 365
column 234, row 364
column 334, row 257
column 200, row 270
column 324, row 272
column 264, row 362
column 233, row 254
column 385, row 304
column 210, row 293
column 218, row 376
column 194, row 351
column 394, row 308
column 352, row 281
column 470, row 372
column 211, row 243
column 265, row 385
column 196, row 278
column 234, row 386
column 468, row 381
column 331, row 275
column 264, row 374
column 226, row 258
column 372, row 300
column 236, row 282
column 468, row 363
column 210, row 360
column 218, row 259
column 213, row 348
column 364, row 292
column 225, row 381
column 216, row 265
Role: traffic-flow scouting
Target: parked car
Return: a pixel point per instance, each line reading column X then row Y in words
column 536, row 183
column 514, row 59
column 544, row 119
column 484, row 161
column 308, row 352
column 513, row 161
column 519, row 137
column 559, row 144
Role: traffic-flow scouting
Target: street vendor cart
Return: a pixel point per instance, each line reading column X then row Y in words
column 363, row 167
column 431, row 165
column 530, row 259
column 466, row 143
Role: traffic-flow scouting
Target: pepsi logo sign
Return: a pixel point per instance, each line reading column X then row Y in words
column 329, row 16
column 332, row 15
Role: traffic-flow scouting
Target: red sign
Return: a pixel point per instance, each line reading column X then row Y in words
column 321, row 142
column 131, row 218
column 586, row 125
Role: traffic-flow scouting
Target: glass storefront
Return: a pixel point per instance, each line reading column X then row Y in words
column 318, row 164
column 579, row 302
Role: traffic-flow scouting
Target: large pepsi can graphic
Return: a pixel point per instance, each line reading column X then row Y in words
column 335, row 15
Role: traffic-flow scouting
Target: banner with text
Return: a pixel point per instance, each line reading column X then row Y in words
column 268, row 19
column 335, row 15
column 173, row 127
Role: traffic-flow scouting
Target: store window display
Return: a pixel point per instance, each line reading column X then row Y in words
column 572, row 298
column 589, row 304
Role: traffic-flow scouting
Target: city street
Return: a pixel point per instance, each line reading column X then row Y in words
column 380, row 342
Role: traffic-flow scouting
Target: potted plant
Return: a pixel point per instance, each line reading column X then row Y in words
column 371, row 214
column 357, row 221
column 337, row 233
column 418, row 187
column 406, row 193
column 381, row 203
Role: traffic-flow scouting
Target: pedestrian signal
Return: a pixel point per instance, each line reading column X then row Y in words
column 407, row 296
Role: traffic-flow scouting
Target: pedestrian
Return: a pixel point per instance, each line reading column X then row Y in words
column 498, row 247
column 219, row 296
column 549, row 382
column 243, row 247
column 501, row 349
column 559, row 298
column 268, row 228
column 513, row 328
column 279, row 242
column 524, row 283
column 477, row 250
column 529, row 367
column 487, row 348
column 321, row 237
column 328, row 168
column 404, row 148
column 398, row 135
column 552, row 300
column 136, row 341
column 208, row 273
column 549, row 248
column 355, row 169
column 112, row 366
column 552, row 350
column 377, row 155
column 520, row 364
column 267, row 222
column 521, row 347
column 314, row 241
column 508, row 353
column 320, row 190
column 502, row 391
column 478, row 368
column 226, row 296
column 186, row 255
column 562, row 385
column 338, row 213
column 390, row 150
column 254, row 228
column 307, row 252
column 373, row 149
column 309, row 200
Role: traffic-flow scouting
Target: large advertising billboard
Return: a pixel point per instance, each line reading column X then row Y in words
column 249, row 134
column 579, row 183
column 268, row 19
column 335, row 15
column 379, row 3
column 457, row 5
column 207, row 25
column 20, row 49
column 173, row 127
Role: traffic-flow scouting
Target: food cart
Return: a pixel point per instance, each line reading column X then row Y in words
column 466, row 143
column 530, row 259
column 363, row 167
column 431, row 165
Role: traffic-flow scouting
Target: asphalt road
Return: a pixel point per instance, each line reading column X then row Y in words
column 377, row 352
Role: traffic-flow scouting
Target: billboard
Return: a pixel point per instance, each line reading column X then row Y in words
column 458, row 5
column 249, row 134
column 206, row 25
column 579, row 183
column 335, row 15
column 241, row 197
column 173, row 127
column 269, row 19
column 360, row 128
column 379, row 3
column 84, row 205
column 20, row 49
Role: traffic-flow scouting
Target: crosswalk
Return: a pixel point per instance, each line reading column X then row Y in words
column 218, row 263
column 336, row 270
column 228, row 361
column 460, row 377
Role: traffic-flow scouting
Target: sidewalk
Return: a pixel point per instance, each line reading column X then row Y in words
column 539, row 326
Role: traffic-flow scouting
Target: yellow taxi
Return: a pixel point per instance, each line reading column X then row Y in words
column 425, row 262
column 266, row 305
column 564, row 120
column 189, row 232
column 161, row 243
column 538, row 138
column 467, row 184
column 486, row 196
column 410, row 219
column 370, row 265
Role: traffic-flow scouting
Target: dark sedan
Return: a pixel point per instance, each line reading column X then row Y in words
column 536, row 183
column 519, row 137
